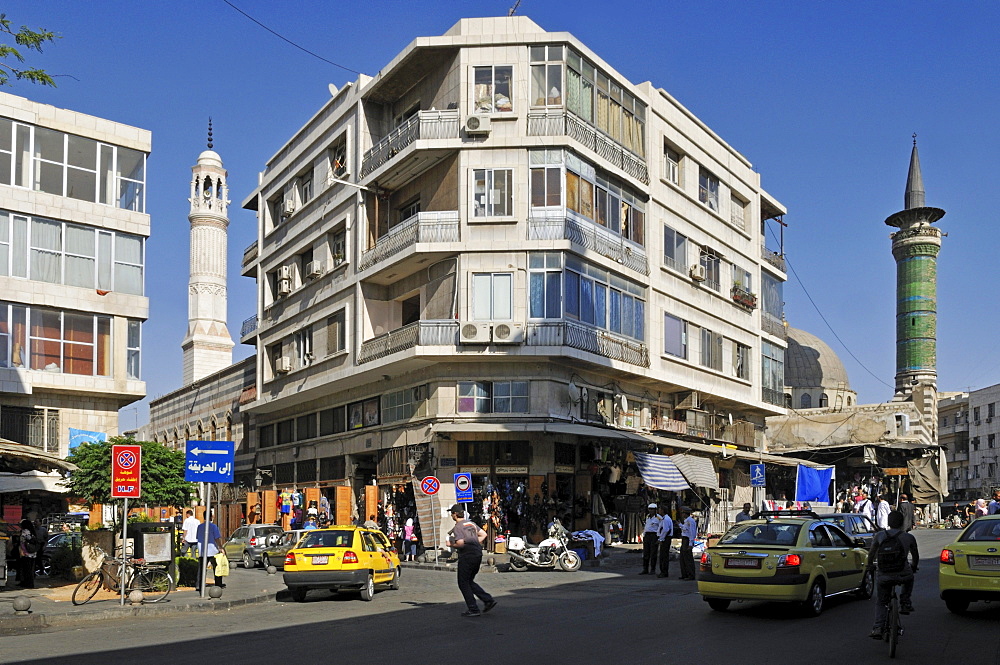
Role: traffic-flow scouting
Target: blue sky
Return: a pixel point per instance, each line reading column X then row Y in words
column 820, row 97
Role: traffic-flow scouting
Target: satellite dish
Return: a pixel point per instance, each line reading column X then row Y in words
column 623, row 403
column 333, row 90
column 730, row 419
column 575, row 394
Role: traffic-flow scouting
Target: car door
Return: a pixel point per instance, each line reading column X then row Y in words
column 827, row 556
column 852, row 557
column 864, row 529
column 391, row 555
column 235, row 545
column 377, row 556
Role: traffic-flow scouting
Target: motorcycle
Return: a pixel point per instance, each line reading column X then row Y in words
column 550, row 553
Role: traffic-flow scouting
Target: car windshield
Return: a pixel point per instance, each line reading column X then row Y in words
column 982, row 530
column 327, row 539
column 836, row 519
column 771, row 533
column 267, row 531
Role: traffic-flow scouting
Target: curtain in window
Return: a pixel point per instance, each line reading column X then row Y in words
column 573, row 93
column 104, row 346
column 80, row 269
column 603, row 112
column 673, row 336
column 502, row 297
column 538, row 85
column 46, row 252
column 573, row 191
column 481, row 289
column 128, row 278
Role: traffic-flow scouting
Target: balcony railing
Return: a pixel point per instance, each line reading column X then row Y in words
column 422, row 333
column 772, row 396
column 772, row 326
column 563, row 123
column 422, row 227
column 424, row 125
column 588, row 338
column 772, row 257
column 249, row 326
column 559, row 226
column 250, row 254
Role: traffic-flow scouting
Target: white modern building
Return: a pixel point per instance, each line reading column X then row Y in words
column 501, row 256
column 73, row 229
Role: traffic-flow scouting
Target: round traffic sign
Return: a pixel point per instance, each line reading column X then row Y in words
column 126, row 459
column 462, row 482
column 430, row 485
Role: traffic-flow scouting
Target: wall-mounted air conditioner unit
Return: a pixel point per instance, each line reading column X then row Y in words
column 284, row 287
column 477, row 124
column 508, row 333
column 314, row 268
column 697, row 272
column 474, row 332
column 288, row 208
column 283, row 365
column 284, row 272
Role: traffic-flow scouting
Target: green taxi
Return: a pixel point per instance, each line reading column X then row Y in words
column 969, row 568
column 788, row 556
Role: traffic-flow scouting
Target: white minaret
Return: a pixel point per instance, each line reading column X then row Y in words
column 207, row 346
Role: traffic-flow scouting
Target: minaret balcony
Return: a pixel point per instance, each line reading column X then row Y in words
column 400, row 142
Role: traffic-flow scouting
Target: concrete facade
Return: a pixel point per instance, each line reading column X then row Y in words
column 953, row 435
column 72, row 242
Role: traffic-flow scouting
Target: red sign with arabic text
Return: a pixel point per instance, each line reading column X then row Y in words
column 126, row 472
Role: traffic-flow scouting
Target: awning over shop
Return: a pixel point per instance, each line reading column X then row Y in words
column 31, row 480
column 928, row 483
column 699, row 471
column 18, row 458
column 660, row 472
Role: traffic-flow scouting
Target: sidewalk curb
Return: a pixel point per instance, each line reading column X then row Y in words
column 13, row 624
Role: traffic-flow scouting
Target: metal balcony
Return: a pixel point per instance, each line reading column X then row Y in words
column 418, row 333
column 587, row 338
column 773, row 327
column 564, row 123
column 422, row 227
column 249, row 254
column 424, row 125
column 772, row 257
column 587, row 234
column 249, row 326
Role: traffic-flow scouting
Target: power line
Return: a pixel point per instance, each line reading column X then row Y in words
column 301, row 48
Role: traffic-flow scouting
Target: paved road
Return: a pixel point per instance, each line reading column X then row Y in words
column 591, row 616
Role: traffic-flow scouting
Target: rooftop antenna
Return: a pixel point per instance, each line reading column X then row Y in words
column 513, row 9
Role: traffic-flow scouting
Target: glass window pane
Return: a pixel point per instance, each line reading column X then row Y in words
column 553, row 295
column 49, row 178
column 572, row 294
column 82, row 152
column 50, row 144
column 131, row 164
column 615, row 311
column 482, row 93
column 587, row 300
column 501, row 90
column 128, row 249
column 479, row 192
column 537, row 188
column 128, row 279
column 553, row 187
column 104, row 261
column 536, row 295
column 80, row 271
column 80, row 240
column 81, row 185
column 503, row 296
column 104, row 346
column 481, row 290
column 79, row 359
column 538, row 85
column 554, row 85
column 6, row 134
column 600, row 305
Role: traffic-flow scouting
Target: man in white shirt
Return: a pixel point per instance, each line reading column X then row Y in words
column 649, row 540
column 865, row 507
column 190, row 528
column 689, row 532
column 882, row 513
column 664, row 535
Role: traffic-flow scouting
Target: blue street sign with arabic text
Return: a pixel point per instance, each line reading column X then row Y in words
column 209, row 461
column 757, row 475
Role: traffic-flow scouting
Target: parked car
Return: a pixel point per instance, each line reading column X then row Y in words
column 791, row 558
column 969, row 568
column 249, row 542
column 341, row 557
column 855, row 525
column 275, row 555
column 69, row 539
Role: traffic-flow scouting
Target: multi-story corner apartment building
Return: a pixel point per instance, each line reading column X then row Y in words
column 501, row 256
column 984, row 428
column 953, row 435
column 73, row 228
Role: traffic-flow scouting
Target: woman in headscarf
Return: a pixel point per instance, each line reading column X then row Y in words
column 28, row 549
column 980, row 508
column 409, row 541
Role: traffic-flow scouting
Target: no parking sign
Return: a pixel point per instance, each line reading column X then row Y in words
column 430, row 485
column 463, row 487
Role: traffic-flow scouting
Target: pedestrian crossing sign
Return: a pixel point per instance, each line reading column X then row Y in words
column 757, row 475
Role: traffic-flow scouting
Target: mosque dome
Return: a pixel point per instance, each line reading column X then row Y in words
column 210, row 157
column 811, row 363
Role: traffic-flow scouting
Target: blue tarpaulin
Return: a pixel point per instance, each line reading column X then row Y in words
column 813, row 484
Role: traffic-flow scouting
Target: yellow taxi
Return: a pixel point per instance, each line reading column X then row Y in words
column 969, row 568
column 341, row 557
column 788, row 556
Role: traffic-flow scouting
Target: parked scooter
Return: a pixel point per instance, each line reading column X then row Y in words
column 550, row 553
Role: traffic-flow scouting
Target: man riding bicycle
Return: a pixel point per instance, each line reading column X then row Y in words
column 889, row 553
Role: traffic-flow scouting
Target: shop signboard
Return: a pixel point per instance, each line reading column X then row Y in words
column 476, row 470
column 512, row 470
column 463, row 487
column 757, row 475
column 126, row 472
column 448, row 462
column 564, row 468
column 896, row 471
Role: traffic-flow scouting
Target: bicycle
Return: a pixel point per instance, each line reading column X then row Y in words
column 893, row 626
column 154, row 582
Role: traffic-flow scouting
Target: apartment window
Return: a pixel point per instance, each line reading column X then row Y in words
column 991, row 440
column 772, row 297
column 274, row 356
column 305, row 188
column 338, row 247
column 975, row 443
column 134, row 346
column 824, row 401
column 474, row 396
column 409, row 211
column 53, row 341
column 402, row 404
column 545, row 285
column 546, row 75
column 304, row 259
column 265, row 436
column 708, row 188
column 493, row 397
column 674, row 249
column 738, row 212
column 975, row 414
column 772, row 374
column 711, row 349
column 304, row 346
column 602, row 299
column 492, row 296
column 492, row 89
column 672, row 166
column 305, row 427
column 741, row 361
column 363, row 414
column 991, row 409
column 285, row 432
column 333, row 421
column 546, row 187
column 713, row 268
column 336, row 332
column 51, row 161
column 675, row 331
column 338, row 160
column 742, row 279
column 492, row 192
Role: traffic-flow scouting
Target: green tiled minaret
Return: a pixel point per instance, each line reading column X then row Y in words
column 915, row 247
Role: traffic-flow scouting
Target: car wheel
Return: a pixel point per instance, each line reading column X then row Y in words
column 394, row 582
column 815, row 600
column 957, row 605
column 298, row 593
column 867, row 587
column 719, row 604
column 368, row 590
column 247, row 560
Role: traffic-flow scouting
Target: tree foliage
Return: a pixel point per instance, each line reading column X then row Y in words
column 25, row 39
column 163, row 481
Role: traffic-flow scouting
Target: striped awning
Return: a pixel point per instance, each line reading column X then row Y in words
column 699, row 471
column 660, row 472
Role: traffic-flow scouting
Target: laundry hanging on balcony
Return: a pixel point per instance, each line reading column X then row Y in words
column 660, row 472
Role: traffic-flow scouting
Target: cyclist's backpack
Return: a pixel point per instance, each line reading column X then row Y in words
column 891, row 555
